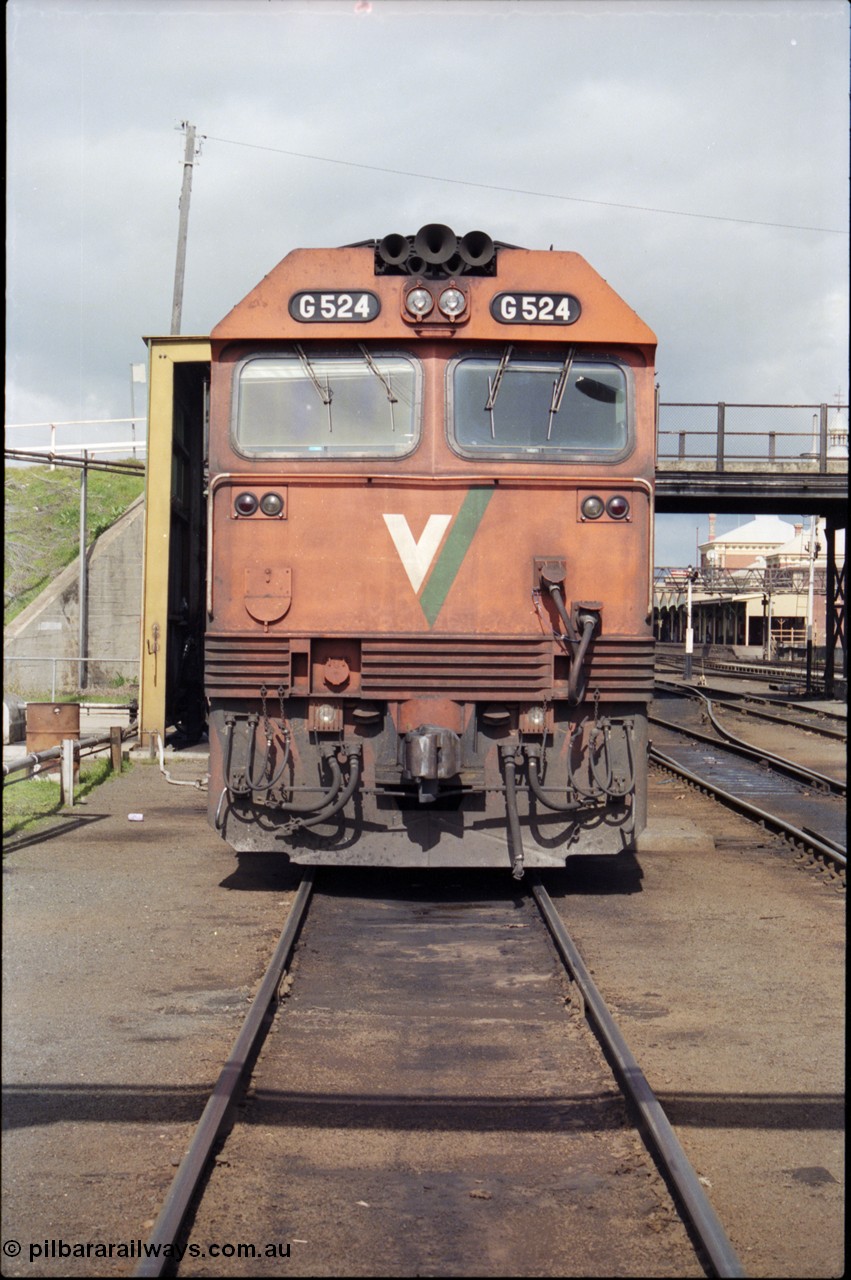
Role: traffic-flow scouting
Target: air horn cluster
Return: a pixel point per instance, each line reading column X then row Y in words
column 437, row 252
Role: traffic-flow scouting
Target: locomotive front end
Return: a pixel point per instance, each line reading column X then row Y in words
column 430, row 526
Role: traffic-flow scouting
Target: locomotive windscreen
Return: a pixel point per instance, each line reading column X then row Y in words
column 328, row 405
column 520, row 404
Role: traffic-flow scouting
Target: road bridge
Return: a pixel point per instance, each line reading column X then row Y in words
column 763, row 459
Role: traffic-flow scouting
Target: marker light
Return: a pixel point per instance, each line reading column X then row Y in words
column 452, row 302
column 593, row 507
column 245, row 504
column 617, row 507
column 326, row 716
column 419, row 302
column 536, row 718
column 271, row 504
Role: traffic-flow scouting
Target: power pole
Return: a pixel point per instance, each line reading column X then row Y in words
column 185, row 194
column 82, row 677
column 810, row 600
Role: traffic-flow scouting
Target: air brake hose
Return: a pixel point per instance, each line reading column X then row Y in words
column 532, row 757
column 558, row 601
column 329, row 754
column 517, row 868
column 575, row 684
column 230, row 786
column 589, row 623
column 628, row 783
column 342, row 799
column 265, row 787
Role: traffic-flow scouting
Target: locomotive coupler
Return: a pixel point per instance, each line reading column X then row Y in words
column 430, row 755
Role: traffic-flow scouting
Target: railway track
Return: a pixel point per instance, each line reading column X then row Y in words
column 825, row 723
column 829, row 724
column 483, row 1038
column 804, row 805
column 791, row 675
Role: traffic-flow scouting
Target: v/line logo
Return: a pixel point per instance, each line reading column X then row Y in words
column 417, row 556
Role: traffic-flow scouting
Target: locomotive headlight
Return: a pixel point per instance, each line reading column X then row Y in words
column 326, row 716
column 452, row 302
column 533, row 720
column 419, row 302
column 245, row 504
column 593, row 507
column 617, row 507
column 271, row 504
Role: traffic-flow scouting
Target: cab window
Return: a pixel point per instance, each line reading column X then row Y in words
column 522, row 405
column 303, row 404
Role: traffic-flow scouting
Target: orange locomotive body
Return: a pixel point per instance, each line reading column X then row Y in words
column 430, row 533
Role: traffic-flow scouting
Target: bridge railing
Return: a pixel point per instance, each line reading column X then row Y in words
column 721, row 436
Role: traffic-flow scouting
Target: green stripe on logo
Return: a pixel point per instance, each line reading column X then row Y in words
column 461, row 535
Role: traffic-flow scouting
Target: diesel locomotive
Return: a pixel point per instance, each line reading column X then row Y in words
column 428, row 633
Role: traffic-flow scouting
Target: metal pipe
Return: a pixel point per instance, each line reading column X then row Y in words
column 265, row 787
column 558, row 600
column 533, row 754
column 342, row 799
column 613, row 792
column 810, row 601
column 54, row 753
column 517, row 868
column 575, row 690
column 327, row 797
column 84, row 574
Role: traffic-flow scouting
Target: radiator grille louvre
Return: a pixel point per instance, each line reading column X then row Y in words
column 240, row 663
column 621, row 667
column 461, row 667
column 468, row 669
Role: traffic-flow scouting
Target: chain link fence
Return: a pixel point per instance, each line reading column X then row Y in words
column 36, row 678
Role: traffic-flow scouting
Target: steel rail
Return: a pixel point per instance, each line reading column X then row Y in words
column 753, row 671
column 742, row 747
column 193, row 1165
column 798, row 772
column 746, row 698
column 820, row 845
column 665, row 1142
column 745, row 708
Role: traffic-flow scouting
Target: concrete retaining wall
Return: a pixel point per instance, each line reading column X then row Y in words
column 50, row 626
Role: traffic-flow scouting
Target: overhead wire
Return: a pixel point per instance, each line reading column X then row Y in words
column 520, row 191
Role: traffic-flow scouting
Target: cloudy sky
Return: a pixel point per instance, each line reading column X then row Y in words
column 694, row 151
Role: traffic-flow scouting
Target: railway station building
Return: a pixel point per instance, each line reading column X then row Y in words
column 751, row 589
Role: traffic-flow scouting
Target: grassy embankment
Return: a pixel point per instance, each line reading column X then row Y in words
column 42, row 534
column 33, row 800
column 42, row 524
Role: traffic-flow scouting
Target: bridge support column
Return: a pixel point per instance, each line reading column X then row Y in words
column 834, row 629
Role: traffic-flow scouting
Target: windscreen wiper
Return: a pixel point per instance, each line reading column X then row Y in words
column 379, row 375
column 326, row 395
column 385, row 382
column 493, row 385
column 559, row 388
